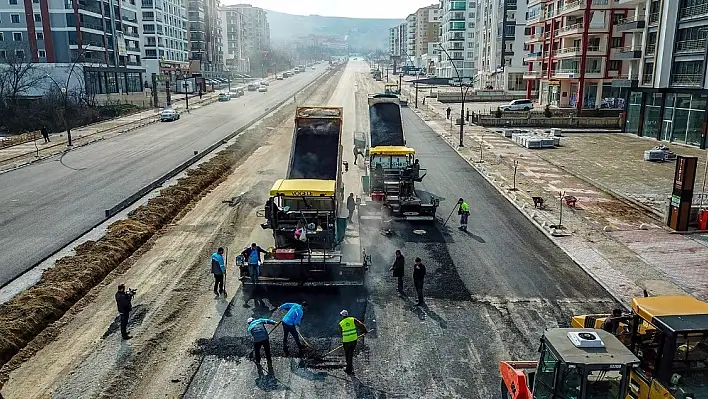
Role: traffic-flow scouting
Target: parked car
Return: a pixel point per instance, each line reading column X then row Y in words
column 518, row 105
column 252, row 87
column 278, row 77
column 169, row 114
column 224, row 97
column 313, row 68
column 264, row 83
column 430, row 76
column 287, row 74
column 263, row 89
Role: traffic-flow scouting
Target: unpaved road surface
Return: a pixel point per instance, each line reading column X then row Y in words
column 47, row 205
column 490, row 294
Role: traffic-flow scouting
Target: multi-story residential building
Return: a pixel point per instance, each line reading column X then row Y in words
column 576, row 52
column 427, row 31
column 205, row 47
column 457, row 39
column 666, row 44
column 101, row 38
column 163, row 31
column 500, row 55
column 409, row 54
column 394, row 42
column 233, row 29
column 256, row 29
column 398, row 44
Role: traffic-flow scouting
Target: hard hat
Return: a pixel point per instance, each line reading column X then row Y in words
column 250, row 319
column 344, row 313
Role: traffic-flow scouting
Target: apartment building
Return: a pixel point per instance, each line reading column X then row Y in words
column 256, row 30
column 427, row 32
column 233, row 29
column 205, row 38
column 500, row 55
column 394, row 42
column 457, row 39
column 102, row 35
column 667, row 49
column 409, row 53
column 163, row 32
column 576, row 53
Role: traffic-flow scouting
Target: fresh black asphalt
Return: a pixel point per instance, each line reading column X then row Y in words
column 490, row 293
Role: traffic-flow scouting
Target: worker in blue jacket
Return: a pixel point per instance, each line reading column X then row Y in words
column 218, row 269
column 259, row 333
column 290, row 322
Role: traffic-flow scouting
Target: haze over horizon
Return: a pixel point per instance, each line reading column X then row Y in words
column 394, row 9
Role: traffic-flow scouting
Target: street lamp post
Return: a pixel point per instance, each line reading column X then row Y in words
column 186, row 94
column 462, row 92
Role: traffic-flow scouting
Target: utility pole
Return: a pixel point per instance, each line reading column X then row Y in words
column 186, row 95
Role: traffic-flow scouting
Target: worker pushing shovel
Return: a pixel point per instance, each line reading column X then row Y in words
column 291, row 322
column 348, row 327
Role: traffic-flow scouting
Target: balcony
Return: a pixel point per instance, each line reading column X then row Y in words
column 131, row 34
column 648, row 79
column 578, row 29
column 697, row 11
column 575, row 73
column 688, row 80
column 511, row 5
column 534, row 2
column 457, row 16
column 533, row 57
column 691, row 46
column 654, row 18
column 628, row 53
column 133, row 49
column 630, row 24
column 457, row 38
column 570, row 52
column 536, row 37
column 92, row 26
column 651, row 49
column 530, row 75
column 93, row 9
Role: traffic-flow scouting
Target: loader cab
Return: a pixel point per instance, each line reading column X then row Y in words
column 304, row 206
column 669, row 334
column 391, row 88
column 393, row 171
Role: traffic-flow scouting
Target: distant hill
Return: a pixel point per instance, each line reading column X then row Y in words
column 363, row 34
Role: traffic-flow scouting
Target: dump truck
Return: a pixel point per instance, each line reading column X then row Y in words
column 669, row 334
column 577, row 363
column 303, row 209
column 392, row 167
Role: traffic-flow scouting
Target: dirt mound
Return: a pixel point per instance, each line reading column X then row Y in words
column 26, row 315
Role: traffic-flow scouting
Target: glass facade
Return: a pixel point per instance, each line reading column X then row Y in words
column 634, row 110
column 103, row 82
column 677, row 116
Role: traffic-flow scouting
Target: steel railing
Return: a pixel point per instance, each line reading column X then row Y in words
column 694, row 11
column 690, row 46
column 654, row 18
column 687, row 79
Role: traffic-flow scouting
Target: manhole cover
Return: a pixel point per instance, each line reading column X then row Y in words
column 419, row 232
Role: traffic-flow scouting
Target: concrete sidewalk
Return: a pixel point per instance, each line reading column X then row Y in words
column 612, row 233
column 22, row 154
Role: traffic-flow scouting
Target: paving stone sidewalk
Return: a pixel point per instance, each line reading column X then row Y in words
column 612, row 233
column 21, row 154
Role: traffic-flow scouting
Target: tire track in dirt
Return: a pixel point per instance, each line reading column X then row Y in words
column 174, row 285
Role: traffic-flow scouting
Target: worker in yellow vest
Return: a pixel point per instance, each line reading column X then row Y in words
column 348, row 328
column 464, row 212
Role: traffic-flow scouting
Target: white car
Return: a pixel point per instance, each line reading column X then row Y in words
column 279, row 77
column 263, row 89
column 264, row 83
column 169, row 114
column 518, row 105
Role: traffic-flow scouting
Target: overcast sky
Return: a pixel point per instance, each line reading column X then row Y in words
column 396, row 9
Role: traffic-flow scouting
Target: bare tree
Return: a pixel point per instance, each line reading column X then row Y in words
column 18, row 75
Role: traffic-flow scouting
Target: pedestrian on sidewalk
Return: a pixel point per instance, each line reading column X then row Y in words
column 356, row 154
column 351, row 206
column 45, row 134
column 418, row 277
column 200, row 94
column 253, row 255
column 259, row 333
column 218, row 269
column 398, row 269
column 464, row 212
column 448, row 111
column 350, row 327
column 291, row 321
column 123, row 301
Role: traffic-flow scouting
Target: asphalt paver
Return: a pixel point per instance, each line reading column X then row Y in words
column 490, row 293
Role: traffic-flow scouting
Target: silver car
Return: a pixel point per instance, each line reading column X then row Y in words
column 169, row 114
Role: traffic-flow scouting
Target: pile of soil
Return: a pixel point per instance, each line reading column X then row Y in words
column 30, row 312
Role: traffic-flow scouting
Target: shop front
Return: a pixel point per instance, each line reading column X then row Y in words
column 676, row 116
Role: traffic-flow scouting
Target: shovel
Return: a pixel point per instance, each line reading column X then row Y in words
column 315, row 357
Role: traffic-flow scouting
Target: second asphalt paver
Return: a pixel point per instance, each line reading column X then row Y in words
column 490, row 293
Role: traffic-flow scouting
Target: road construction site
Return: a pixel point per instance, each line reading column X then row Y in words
column 490, row 292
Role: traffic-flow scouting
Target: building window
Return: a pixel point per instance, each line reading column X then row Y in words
column 20, row 54
column 42, row 54
column 614, row 65
column 40, row 36
column 2, row 37
column 13, row 2
column 616, row 42
column 3, row 54
column 37, row 17
column 17, row 36
column 15, row 18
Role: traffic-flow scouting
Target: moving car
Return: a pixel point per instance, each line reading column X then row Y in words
column 279, row 77
column 518, row 105
column 252, row 87
column 263, row 89
column 264, row 83
column 313, row 68
column 237, row 92
column 169, row 114
column 287, row 74
column 224, row 97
